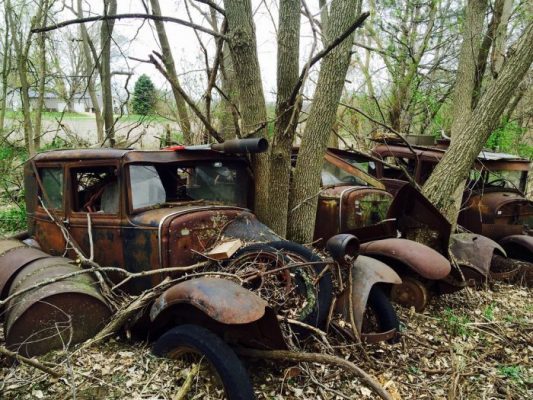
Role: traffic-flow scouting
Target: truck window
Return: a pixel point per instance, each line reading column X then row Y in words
column 52, row 179
column 96, row 190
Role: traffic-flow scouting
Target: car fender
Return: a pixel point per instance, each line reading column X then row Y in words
column 422, row 259
column 519, row 246
column 474, row 251
column 233, row 311
column 365, row 272
column 221, row 299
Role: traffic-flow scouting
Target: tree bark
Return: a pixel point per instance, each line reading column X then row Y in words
column 465, row 83
column 21, row 56
column 90, row 65
column 242, row 43
column 453, row 170
column 168, row 61
column 41, row 44
column 286, row 114
column 106, row 32
column 6, row 66
column 500, row 38
column 306, row 180
column 229, row 120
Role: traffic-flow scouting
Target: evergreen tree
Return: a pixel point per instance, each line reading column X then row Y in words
column 143, row 96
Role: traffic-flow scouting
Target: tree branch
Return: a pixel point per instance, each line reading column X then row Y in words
column 127, row 16
column 318, row 358
column 324, row 52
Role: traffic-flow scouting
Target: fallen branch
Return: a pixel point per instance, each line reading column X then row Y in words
column 30, row 361
column 317, row 358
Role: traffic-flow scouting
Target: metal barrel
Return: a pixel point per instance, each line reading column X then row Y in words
column 14, row 256
column 54, row 313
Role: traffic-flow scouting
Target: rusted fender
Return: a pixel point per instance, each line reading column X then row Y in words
column 519, row 246
column 425, row 261
column 365, row 272
column 220, row 299
column 474, row 251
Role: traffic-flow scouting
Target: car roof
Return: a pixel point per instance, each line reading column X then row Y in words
column 131, row 155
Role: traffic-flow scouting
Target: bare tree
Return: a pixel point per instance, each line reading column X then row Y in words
column 168, row 61
column 450, row 174
column 106, row 32
column 333, row 69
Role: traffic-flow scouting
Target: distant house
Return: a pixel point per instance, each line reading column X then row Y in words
column 79, row 102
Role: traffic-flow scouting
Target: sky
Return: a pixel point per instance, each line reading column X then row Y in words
column 185, row 46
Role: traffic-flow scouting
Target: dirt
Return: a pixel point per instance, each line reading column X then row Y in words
column 476, row 344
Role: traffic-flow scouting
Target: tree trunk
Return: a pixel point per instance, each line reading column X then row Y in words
column 106, row 32
column 306, row 180
column 500, row 39
column 89, row 66
column 286, row 114
column 6, row 66
column 465, row 83
column 453, row 170
column 41, row 44
column 21, row 56
column 242, row 42
column 229, row 120
column 168, row 60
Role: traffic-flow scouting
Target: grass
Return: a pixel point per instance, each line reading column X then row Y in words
column 457, row 325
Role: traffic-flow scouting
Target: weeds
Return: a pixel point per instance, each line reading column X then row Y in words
column 457, row 325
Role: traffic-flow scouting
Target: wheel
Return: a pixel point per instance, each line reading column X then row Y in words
column 380, row 315
column 291, row 292
column 411, row 292
column 299, row 253
column 195, row 340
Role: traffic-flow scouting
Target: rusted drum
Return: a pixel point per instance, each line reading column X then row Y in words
column 14, row 256
column 57, row 314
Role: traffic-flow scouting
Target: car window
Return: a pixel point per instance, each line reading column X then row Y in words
column 52, row 180
column 146, row 187
column 96, row 190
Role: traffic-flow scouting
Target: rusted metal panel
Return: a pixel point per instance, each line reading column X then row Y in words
column 365, row 273
column 423, row 260
column 11, row 262
column 53, row 315
column 221, row 299
column 419, row 220
column 474, row 251
column 348, row 208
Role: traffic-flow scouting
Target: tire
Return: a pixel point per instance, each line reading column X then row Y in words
column 318, row 296
column 196, row 339
column 325, row 284
column 383, row 311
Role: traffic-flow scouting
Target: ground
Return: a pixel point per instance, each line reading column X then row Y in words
column 476, row 344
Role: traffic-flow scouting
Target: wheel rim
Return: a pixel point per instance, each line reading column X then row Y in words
column 411, row 293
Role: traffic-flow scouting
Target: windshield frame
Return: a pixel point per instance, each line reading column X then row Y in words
column 249, row 195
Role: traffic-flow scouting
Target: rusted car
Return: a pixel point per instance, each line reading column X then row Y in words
column 404, row 231
column 494, row 204
column 154, row 210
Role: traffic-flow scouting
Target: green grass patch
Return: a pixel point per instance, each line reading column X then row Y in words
column 13, row 219
column 457, row 325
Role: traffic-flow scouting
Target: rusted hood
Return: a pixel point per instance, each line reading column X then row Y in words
column 423, row 260
column 417, row 219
